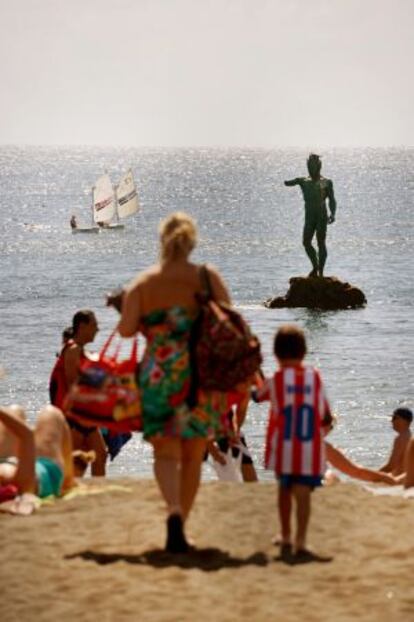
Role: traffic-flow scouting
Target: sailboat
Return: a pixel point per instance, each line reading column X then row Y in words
column 111, row 203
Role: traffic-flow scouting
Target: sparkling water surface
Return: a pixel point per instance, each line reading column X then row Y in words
column 250, row 228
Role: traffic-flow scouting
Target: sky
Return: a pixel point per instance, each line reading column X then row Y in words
column 215, row 73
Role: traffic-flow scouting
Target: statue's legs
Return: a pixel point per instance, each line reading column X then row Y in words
column 308, row 233
column 321, row 240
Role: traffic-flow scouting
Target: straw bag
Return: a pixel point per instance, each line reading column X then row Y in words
column 106, row 393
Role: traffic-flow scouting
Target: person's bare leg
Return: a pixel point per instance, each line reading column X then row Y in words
column 302, row 496
column 192, row 457
column 67, row 450
column 167, row 457
column 285, row 509
column 249, row 473
column 95, row 442
column 167, row 469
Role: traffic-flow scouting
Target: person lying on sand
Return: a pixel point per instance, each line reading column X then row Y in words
column 401, row 421
column 44, row 455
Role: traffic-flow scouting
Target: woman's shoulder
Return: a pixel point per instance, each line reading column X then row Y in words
column 144, row 277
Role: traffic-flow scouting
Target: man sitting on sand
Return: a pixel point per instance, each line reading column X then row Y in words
column 44, row 455
column 401, row 421
column 408, row 481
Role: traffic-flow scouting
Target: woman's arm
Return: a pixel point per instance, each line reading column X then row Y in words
column 130, row 313
column 219, row 289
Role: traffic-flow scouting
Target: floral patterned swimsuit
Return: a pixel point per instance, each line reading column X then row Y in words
column 165, row 377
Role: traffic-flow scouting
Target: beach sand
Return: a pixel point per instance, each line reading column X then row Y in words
column 99, row 558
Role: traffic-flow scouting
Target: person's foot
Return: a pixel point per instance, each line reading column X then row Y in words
column 285, row 551
column 313, row 273
column 176, row 542
column 304, row 556
column 278, row 540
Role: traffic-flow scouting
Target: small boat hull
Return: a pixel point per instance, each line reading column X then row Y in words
column 86, row 230
column 112, row 227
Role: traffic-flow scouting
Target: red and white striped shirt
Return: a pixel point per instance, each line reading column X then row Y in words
column 294, row 443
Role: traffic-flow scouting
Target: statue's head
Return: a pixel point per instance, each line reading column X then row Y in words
column 314, row 165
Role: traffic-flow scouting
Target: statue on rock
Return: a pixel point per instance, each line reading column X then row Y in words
column 316, row 190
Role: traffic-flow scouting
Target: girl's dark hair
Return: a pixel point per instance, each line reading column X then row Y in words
column 289, row 343
column 67, row 334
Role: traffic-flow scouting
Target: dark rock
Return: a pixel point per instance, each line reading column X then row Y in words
column 327, row 293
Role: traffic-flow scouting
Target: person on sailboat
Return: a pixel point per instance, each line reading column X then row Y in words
column 73, row 223
column 65, row 373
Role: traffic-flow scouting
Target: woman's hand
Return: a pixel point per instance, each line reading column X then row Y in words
column 114, row 299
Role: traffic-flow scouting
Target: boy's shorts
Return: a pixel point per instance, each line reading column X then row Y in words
column 287, row 481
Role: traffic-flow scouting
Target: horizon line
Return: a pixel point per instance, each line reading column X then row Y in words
column 202, row 147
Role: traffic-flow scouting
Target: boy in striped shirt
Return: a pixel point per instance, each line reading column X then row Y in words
column 294, row 443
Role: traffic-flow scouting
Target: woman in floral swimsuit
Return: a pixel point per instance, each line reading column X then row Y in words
column 161, row 304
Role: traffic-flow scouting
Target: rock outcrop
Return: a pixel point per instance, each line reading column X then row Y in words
column 328, row 293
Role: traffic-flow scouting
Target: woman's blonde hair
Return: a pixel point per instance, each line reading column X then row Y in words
column 178, row 236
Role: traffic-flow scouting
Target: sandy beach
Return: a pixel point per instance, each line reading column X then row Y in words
column 99, row 557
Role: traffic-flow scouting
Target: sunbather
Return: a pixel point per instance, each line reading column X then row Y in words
column 44, row 455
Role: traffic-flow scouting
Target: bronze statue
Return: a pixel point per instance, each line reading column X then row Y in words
column 316, row 189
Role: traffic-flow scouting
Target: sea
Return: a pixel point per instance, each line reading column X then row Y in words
column 250, row 227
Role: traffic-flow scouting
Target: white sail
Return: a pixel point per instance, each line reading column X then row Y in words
column 103, row 200
column 127, row 198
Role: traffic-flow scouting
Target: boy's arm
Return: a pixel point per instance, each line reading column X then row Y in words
column 325, row 412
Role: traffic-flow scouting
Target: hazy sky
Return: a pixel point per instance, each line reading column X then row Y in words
column 259, row 73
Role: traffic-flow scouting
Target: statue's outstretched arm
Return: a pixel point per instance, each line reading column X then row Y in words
column 293, row 182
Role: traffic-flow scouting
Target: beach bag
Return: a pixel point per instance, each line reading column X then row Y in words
column 223, row 350
column 106, row 393
column 231, row 470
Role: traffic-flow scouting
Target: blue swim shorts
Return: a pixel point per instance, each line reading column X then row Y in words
column 287, row 481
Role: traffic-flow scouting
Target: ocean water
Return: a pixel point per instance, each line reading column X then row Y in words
column 250, row 227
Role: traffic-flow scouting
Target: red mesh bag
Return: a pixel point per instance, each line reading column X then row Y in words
column 106, row 393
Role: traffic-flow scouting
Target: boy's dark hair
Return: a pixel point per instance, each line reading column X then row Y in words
column 404, row 413
column 83, row 316
column 289, row 343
